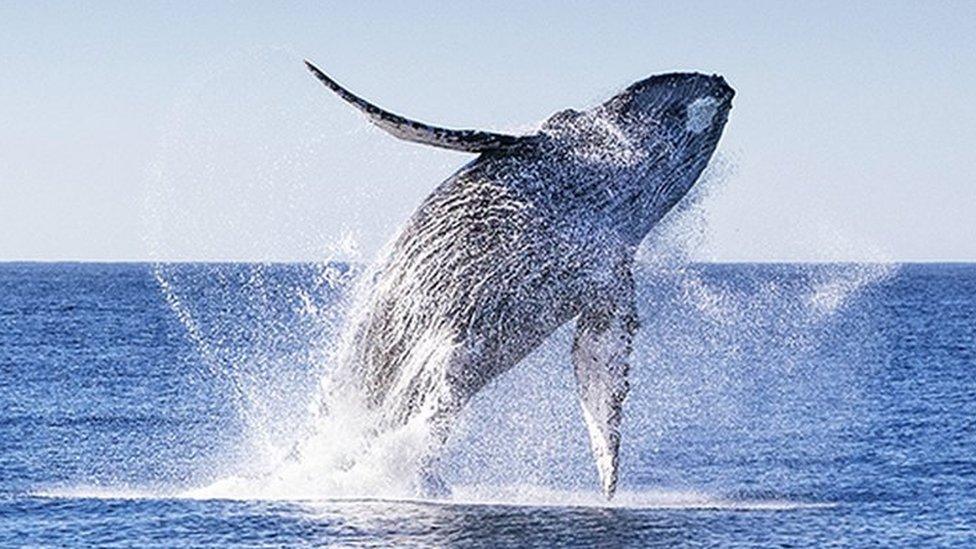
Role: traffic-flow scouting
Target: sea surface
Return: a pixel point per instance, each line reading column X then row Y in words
column 772, row 405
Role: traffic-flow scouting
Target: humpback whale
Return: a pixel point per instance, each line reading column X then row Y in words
column 534, row 232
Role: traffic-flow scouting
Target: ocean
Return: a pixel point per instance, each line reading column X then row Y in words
column 772, row 405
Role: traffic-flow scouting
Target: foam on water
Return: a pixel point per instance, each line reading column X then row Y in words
column 516, row 495
column 535, row 496
column 342, row 458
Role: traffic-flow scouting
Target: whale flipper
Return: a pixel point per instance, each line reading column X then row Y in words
column 417, row 132
column 601, row 351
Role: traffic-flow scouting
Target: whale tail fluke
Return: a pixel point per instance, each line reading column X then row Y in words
column 474, row 141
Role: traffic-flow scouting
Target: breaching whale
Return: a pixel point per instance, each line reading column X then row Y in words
column 536, row 231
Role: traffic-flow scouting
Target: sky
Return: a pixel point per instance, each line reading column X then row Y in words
column 191, row 131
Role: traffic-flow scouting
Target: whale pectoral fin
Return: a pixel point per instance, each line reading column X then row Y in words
column 601, row 351
column 417, row 132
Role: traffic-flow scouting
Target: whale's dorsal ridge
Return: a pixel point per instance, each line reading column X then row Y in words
column 474, row 141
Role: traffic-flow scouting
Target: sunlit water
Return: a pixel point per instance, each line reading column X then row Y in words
column 182, row 405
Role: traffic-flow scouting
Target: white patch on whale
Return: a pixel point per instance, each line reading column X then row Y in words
column 700, row 114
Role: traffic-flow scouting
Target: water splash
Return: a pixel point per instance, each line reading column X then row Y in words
column 268, row 334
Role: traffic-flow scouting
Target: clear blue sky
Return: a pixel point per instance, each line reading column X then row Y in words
column 191, row 131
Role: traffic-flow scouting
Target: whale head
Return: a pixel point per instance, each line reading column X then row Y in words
column 679, row 114
column 657, row 134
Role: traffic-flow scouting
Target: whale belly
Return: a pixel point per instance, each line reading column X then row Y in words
column 477, row 279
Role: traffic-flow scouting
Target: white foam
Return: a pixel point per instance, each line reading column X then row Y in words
column 100, row 492
column 536, row 496
column 508, row 496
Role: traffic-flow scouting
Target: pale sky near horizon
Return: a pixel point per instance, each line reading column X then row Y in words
column 191, row 131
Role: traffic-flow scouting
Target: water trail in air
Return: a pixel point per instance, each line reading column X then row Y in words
column 270, row 335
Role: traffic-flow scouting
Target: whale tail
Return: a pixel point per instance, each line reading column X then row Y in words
column 474, row 141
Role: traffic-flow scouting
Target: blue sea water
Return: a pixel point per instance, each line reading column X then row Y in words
column 775, row 404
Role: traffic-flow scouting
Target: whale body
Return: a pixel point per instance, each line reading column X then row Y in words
column 536, row 231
